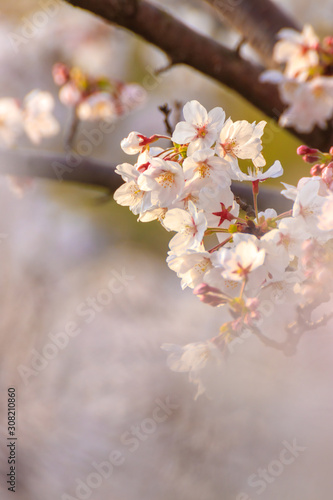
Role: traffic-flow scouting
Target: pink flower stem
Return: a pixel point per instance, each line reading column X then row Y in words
column 243, row 287
column 255, row 191
column 283, row 215
column 220, row 245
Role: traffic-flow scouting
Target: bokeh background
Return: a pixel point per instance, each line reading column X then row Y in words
column 63, row 242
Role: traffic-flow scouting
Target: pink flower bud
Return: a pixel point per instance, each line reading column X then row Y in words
column 209, row 295
column 328, row 44
column 311, row 158
column 328, row 40
column 327, row 175
column 60, row 74
column 331, row 151
column 316, row 169
column 305, row 150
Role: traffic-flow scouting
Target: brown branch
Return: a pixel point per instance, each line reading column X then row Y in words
column 258, row 21
column 59, row 167
column 87, row 171
column 185, row 46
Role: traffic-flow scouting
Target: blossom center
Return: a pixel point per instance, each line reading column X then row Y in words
column 201, row 131
column 285, row 240
column 203, row 170
column 306, row 211
column 230, row 284
column 203, row 265
column 228, row 147
column 165, row 179
column 243, row 271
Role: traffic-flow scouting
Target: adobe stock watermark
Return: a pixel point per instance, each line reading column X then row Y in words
column 86, row 310
column 91, row 139
column 131, row 440
column 264, row 477
column 31, row 25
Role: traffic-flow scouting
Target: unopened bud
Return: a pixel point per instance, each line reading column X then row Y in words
column 328, row 43
column 316, row 169
column 60, row 74
column 305, row 150
column 311, row 158
column 209, row 295
column 327, row 174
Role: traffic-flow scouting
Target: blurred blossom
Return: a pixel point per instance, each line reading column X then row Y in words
column 38, row 121
column 10, row 121
column 96, row 98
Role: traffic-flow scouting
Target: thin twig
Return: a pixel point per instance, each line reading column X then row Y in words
column 166, row 110
column 71, row 130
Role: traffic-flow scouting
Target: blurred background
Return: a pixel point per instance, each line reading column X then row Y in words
column 62, row 245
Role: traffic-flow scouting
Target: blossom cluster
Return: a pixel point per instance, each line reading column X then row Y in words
column 322, row 168
column 96, row 98
column 306, row 83
column 33, row 116
column 187, row 186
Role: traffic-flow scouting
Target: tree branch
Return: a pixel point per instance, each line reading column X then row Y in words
column 186, row 46
column 257, row 20
column 59, row 167
column 88, row 171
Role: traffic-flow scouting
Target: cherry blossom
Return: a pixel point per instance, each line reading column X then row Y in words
column 70, row 95
column 129, row 194
column 306, row 82
column 190, row 266
column 232, row 256
column 200, row 128
column 310, row 104
column 192, row 358
column 256, row 174
column 10, row 121
column 309, row 204
column 38, row 121
column 190, row 225
column 297, row 50
column 326, row 215
column 33, row 116
column 290, row 191
column 290, row 235
column 98, row 106
column 241, row 260
column 164, row 179
column 131, row 96
column 96, row 98
column 219, row 206
column 241, row 139
column 204, row 167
